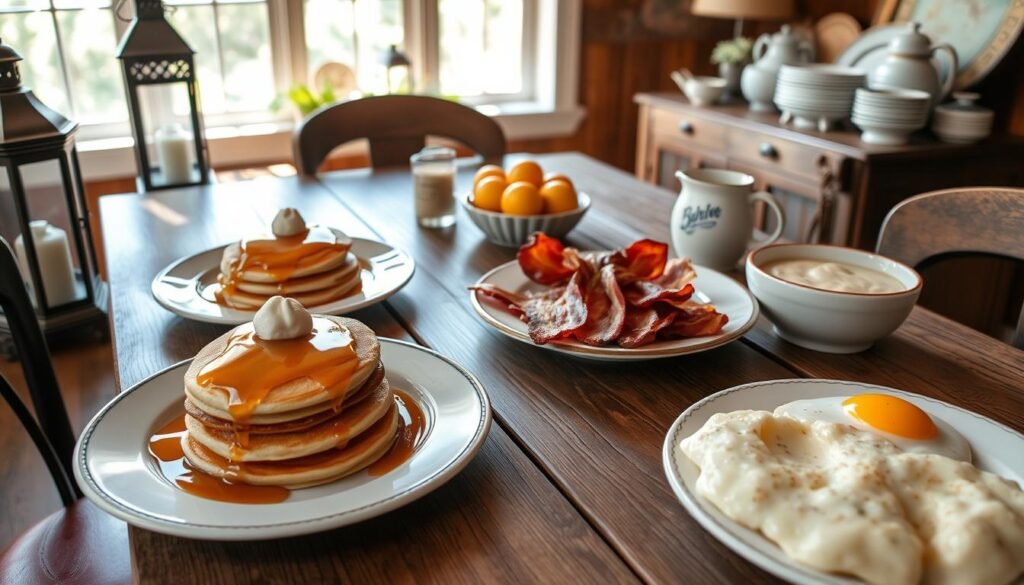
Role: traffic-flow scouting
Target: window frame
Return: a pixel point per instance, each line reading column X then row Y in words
column 550, row 108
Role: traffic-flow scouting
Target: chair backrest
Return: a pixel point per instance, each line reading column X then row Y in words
column 980, row 220
column 53, row 435
column 396, row 127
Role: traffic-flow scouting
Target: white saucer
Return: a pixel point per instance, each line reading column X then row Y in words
column 728, row 296
column 995, row 447
column 180, row 287
column 115, row 471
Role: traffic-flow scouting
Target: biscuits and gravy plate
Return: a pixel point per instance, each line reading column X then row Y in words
column 299, row 468
column 916, row 454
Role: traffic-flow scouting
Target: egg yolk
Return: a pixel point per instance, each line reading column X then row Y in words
column 891, row 415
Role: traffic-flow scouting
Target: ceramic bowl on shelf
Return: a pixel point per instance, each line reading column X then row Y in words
column 702, row 91
column 962, row 121
column 816, row 96
column 513, row 230
column 889, row 116
column 825, row 320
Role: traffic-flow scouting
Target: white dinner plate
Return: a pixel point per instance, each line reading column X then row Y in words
column 995, row 447
column 726, row 294
column 184, row 287
column 115, row 471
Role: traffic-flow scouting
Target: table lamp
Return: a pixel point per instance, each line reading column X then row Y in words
column 743, row 9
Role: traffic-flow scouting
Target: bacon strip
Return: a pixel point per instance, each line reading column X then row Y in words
column 695, row 321
column 673, row 286
column 642, row 260
column 606, row 308
column 543, row 260
column 642, row 326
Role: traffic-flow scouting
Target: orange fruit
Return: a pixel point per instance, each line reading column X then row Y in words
column 488, row 171
column 528, row 171
column 487, row 193
column 558, row 196
column 521, row 198
column 548, row 177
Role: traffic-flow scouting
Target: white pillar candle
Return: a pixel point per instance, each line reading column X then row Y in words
column 54, row 257
column 174, row 153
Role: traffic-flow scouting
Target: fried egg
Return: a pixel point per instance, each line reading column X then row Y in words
column 900, row 422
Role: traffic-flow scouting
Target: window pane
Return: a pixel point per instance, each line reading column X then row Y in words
column 196, row 25
column 81, row 3
column 355, row 33
column 248, row 66
column 32, row 35
column 481, row 46
column 15, row 4
column 378, row 26
column 89, row 46
column 330, row 33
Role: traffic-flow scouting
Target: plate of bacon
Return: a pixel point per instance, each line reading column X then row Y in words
column 634, row 303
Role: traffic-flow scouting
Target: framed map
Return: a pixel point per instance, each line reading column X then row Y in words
column 981, row 31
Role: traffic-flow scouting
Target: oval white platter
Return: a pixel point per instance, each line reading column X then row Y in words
column 726, row 294
column 180, row 287
column 116, row 472
column 995, row 447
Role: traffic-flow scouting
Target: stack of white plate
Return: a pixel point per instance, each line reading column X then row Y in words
column 816, row 95
column 890, row 116
column 963, row 121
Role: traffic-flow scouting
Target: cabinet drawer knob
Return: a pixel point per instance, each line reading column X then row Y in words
column 768, row 151
column 686, row 127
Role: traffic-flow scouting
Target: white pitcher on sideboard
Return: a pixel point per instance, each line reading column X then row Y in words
column 712, row 221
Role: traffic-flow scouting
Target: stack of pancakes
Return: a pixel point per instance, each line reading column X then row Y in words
column 314, row 268
column 300, row 434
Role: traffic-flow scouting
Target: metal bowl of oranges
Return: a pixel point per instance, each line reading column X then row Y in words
column 510, row 205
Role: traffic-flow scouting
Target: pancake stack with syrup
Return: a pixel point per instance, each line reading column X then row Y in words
column 290, row 400
column 311, row 264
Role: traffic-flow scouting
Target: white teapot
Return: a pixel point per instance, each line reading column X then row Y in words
column 770, row 53
column 909, row 65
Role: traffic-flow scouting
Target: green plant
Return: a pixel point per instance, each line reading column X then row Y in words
column 732, row 51
column 304, row 99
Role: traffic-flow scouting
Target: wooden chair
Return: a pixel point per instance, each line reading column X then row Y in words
column 396, row 127
column 982, row 220
column 79, row 544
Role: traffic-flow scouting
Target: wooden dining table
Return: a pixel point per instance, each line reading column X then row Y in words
column 569, row 486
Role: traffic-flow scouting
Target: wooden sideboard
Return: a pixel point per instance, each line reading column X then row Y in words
column 832, row 187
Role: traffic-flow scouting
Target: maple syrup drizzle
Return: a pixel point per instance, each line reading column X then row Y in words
column 165, row 447
column 279, row 258
column 249, row 367
column 412, row 430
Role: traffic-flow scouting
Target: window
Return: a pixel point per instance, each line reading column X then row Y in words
column 48, row 33
column 499, row 53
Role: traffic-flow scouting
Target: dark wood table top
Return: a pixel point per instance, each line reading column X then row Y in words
column 569, row 486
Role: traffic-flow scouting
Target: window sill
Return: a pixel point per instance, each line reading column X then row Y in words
column 255, row 144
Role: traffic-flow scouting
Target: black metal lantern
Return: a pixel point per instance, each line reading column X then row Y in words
column 42, row 209
column 163, row 100
column 398, row 70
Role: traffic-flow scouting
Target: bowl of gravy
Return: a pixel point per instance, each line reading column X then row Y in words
column 830, row 298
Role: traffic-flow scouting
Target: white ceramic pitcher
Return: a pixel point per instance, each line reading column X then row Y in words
column 713, row 219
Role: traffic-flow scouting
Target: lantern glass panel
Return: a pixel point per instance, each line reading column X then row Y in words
column 54, row 234
column 167, row 128
column 9, row 228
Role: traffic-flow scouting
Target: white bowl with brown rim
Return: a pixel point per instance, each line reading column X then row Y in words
column 827, row 320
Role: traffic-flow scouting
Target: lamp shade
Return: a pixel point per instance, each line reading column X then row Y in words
column 745, row 9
